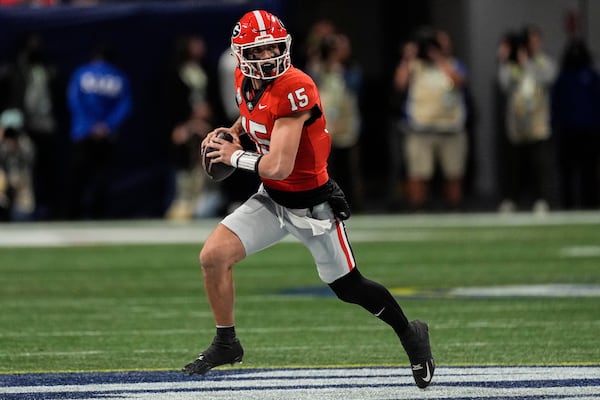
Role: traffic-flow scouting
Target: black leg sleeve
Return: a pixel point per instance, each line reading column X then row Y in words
column 372, row 296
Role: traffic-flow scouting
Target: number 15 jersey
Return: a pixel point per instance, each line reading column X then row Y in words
column 292, row 92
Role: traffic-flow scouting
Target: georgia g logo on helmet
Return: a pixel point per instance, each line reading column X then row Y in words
column 237, row 29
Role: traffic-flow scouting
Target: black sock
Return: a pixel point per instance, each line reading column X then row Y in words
column 225, row 334
column 396, row 319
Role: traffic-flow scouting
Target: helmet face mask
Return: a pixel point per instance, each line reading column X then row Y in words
column 257, row 32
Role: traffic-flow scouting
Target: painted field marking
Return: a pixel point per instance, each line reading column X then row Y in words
column 464, row 383
column 580, row 251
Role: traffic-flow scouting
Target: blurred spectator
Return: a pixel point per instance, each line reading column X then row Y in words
column 447, row 48
column 226, row 66
column 190, row 117
column 16, row 163
column 434, row 120
column 38, row 91
column 318, row 31
column 339, row 82
column 576, row 121
column 397, row 115
column 99, row 98
column 525, row 74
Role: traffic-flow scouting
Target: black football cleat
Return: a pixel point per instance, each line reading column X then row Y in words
column 217, row 354
column 416, row 344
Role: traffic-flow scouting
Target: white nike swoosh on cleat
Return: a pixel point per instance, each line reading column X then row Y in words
column 379, row 313
column 427, row 378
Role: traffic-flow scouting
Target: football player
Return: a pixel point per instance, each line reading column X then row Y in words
column 281, row 111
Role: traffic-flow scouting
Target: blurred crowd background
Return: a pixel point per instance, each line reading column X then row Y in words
column 433, row 105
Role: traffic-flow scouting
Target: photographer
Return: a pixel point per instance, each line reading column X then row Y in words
column 434, row 119
column 525, row 75
column 16, row 163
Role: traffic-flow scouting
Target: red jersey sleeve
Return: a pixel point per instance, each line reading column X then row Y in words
column 295, row 93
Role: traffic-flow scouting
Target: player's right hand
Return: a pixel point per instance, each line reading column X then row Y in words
column 212, row 134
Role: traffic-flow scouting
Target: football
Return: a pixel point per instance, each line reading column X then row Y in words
column 217, row 171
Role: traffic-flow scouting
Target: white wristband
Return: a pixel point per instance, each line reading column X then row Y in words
column 235, row 157
column 245, row 160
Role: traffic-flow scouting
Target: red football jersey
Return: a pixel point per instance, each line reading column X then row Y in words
column 292, row 92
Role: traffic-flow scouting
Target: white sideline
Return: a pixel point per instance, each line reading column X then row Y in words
column 382, row 227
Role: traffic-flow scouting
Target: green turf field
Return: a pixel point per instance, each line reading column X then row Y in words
column 131, row 307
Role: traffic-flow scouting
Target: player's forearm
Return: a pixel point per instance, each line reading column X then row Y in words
column 237, row 127
column 272, row 167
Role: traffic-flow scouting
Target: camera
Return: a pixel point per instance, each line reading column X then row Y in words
column 426, row 40
column 516, row 41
